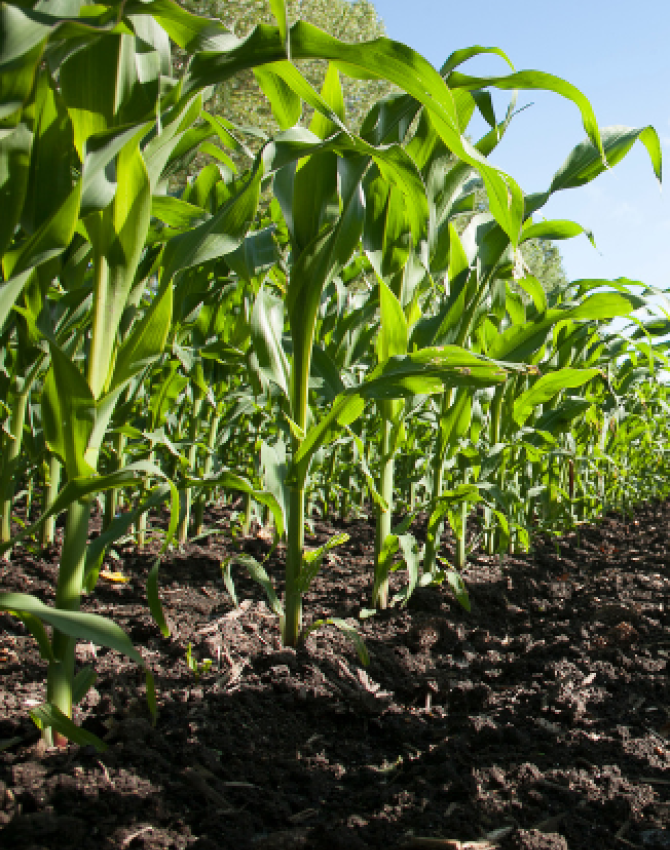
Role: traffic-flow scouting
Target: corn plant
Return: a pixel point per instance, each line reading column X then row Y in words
column 340, row 299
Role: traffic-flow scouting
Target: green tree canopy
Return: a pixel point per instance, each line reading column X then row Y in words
column 544, row 261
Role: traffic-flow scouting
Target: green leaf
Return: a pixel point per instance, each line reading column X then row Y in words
column 274, row 468
column 51, row 156
column 331, row 92
column 25, row 29
column 326, row 371
column 449, row 498
column 458, row 57
column 606, row 305
column 387, row 238
column 382, row 59
column 344, row 410
column 69, row 413
column 147, row 339
column 519, row 342
column 50, row 240
column 314, row 201
column 458, row 587
column 546, row 387
column 15, row 151
column 152, row 593
column 118, row 234
column 537, row 80
column 412, row 559
column 267, row 327
column 347, row 630
column 532, row 286
column 192, row 33
column 554, row 230
column 279, row 11
column 456, row 422
column 559, row 419
column 232, row 481
column 313, row 558
column 392, row 161
column 177, row 213
column 100, row 152
column 172, row 142
column 443, row 327
column 91, row 627
column 82, row 683
column 255, row 256
column 258, row 574
column 392, row 339
column 218, row 236
column 585, row 162
column 17, row 72
column 49, row 715
column 10, row 292
column 103, row 87
column 285, row 103
column 170, row 386
column 152, row 585
column 429, row 371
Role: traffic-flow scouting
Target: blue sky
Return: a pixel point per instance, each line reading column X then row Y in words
column 618, row 54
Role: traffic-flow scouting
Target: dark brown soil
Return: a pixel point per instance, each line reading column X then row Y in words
column 539, row 721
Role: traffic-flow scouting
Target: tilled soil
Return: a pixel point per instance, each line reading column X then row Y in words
column 538, row 721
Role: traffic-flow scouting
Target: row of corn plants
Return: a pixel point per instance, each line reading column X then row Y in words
column 338, row 328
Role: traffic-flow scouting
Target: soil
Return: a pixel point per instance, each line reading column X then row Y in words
column 537, row 721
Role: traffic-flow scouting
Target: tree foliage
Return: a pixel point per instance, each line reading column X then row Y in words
column 543, row 260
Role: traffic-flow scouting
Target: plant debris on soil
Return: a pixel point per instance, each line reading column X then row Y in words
column 537, row 721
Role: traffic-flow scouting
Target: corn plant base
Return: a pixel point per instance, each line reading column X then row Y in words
column 577, row 628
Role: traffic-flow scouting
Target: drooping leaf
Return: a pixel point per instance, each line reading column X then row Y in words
column 48, row 715
column 99, row 630
column 50, row 239
column 285, row 103
column 554, row 230
column 382, row 59
column 147, row 339
column 585, row 162
column 70, row 413
column 14, row 173
column 267, row 327
column 259, row 575
column 392, row 339
column 547, row 387
column 231, row 481
column 218, row 236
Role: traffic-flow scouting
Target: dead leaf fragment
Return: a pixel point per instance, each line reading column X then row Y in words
column 116, row 576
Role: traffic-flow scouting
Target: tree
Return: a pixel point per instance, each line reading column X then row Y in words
column 544, row 261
